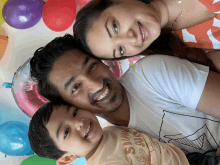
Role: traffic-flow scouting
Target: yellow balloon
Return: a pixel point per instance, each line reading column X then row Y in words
column 2, row 2
column 1, row 18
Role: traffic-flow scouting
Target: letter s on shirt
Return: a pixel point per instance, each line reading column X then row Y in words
column 129, row 150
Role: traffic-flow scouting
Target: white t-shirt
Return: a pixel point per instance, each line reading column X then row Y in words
column 163, row 93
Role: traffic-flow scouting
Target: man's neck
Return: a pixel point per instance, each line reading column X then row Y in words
column 120, row 117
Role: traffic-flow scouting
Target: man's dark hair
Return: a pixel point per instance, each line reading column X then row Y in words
column 42, row 62
column 40, row 140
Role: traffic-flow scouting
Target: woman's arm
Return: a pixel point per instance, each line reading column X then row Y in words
column 215, row 57
column 209, row 102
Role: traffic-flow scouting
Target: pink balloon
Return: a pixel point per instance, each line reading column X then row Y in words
column 81, row 3
column 25, row 91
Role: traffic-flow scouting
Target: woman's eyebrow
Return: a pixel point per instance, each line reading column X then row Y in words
column 107, row 28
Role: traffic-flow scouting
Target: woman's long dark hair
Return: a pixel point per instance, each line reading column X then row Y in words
column 167, row 43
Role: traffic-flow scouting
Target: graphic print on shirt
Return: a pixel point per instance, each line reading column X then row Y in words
column 198, row 135
column 134, row 146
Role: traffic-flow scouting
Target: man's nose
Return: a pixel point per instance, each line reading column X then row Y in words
column 93, row 84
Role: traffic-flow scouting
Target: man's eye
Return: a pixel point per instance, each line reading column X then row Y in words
column 91, row 67
column 66, row 133
column 75, row 88
column 121, row 51
column 115, row 27
column 75, row 113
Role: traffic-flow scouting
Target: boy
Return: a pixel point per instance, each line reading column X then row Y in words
column 63, row 133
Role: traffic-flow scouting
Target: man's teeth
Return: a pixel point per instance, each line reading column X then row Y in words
column 87, row 131
column 103, row 95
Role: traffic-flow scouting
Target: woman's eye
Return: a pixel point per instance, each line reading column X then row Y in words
column 75, row 88
column 115, row 27
column 66, row 133
column 121, row 51
column 75, row 113
column 91, row 67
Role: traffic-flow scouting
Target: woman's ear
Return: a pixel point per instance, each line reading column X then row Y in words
column 65, row 160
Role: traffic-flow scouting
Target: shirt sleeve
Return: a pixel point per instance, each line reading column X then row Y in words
column 179, row 80
column 212, row 5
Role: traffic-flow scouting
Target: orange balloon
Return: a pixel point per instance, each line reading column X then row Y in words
column 3, row 45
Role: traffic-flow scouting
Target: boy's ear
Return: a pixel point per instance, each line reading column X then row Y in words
column 65, row 160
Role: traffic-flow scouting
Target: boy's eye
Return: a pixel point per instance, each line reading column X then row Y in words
column 66, row 133
column 75, row 113
column 115, row 27
column 121, row 51
column 91, row 67
column 75, row 87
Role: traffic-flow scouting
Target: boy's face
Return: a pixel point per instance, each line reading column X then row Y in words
column 75, row 131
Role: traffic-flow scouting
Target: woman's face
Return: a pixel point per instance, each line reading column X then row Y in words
column 124, row 29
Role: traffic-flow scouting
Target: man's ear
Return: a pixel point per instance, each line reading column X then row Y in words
column 65, row 160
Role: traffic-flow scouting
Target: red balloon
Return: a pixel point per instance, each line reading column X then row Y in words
column 59, row 15
column 81, row 3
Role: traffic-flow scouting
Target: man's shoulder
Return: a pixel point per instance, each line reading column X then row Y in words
column 154, row 60
column 149, row 63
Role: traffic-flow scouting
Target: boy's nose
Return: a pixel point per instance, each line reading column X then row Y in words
column 79, row 123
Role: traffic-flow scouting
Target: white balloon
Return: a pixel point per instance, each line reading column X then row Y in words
column 22, row 43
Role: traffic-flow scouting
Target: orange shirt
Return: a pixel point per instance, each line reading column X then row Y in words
column 130, row 147
column 207, row 34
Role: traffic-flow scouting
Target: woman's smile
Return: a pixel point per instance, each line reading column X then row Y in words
column 143, row 32
column 124, row 29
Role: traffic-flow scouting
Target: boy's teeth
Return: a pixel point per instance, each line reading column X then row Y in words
column 87, row 131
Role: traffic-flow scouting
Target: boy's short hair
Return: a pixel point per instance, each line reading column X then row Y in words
column 40, row 140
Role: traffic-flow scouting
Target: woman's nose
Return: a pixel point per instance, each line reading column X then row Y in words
column 127, row 38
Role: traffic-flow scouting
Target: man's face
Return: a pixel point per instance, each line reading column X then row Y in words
column 86, row 82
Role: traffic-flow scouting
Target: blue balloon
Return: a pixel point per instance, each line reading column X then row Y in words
column 14, row 139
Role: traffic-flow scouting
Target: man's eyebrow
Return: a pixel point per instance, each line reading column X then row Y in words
column 60, row 126
column 107, row 29
column 69, row 82
column 85, row 61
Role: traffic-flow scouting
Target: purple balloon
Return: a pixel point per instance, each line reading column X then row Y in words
column 22, row 14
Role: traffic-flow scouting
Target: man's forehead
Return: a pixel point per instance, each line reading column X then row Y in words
column 75, row 53
column 72, row 58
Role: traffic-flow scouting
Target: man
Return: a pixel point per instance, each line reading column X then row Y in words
column 160, row 95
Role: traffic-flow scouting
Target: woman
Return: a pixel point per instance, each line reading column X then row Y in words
column 119, row 28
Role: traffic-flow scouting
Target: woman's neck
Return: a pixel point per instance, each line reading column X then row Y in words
column 168, row 10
